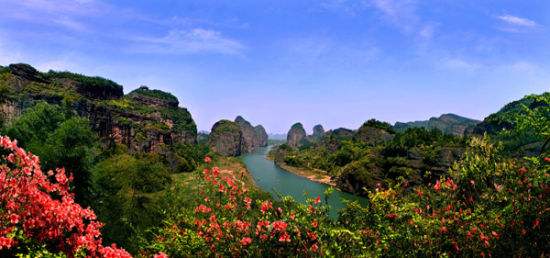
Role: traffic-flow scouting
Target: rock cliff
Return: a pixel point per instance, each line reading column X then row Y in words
column 226, row 138
column 248, row 133
column 142, row 120
column 296, row 135
column 261, row 136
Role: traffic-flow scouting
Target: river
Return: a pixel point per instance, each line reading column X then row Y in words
column 273, row 179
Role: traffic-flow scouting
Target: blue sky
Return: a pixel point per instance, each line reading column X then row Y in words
column 333, row 62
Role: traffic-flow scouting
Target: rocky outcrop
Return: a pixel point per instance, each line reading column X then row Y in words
column 296, row 135
column 261, row 136
column 143, row 120
column 447, row 123
column 226, row 138
column 248, row 134
column 372, row 135
column 318, row 132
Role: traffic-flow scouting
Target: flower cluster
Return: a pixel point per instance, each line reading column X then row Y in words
column 232, row 223
column 38, row 207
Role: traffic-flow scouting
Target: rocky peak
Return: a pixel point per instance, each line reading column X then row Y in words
column 318, row 131
column 248, row 134
column 154, row 97
column 26, row 71
column 374, row 132
column 261, row 136
column 226, row 138
column 296, row 135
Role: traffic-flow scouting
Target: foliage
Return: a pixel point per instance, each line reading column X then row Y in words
column 228, row 220
column 378, row 124
column 39, row 214
column 61, row 140
column 158, row 94
column 125, row 186
column 486, row 206
column 90, row 83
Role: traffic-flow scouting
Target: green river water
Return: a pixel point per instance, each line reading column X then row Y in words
column 273, row 179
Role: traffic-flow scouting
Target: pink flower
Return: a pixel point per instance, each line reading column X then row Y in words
column 246, row 241
column 279, row 226
column 266, row 205
column 160, row 255
column 207, row 159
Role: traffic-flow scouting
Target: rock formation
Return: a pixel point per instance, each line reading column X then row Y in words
column 261, row 136
column 226, row 138
column 142, row 120
column 296, row 135
column 318, row 132
column 447, row 123
column 371, row 134
column 248, row 134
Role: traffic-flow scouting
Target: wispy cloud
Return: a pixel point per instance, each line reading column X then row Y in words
column 517, row 21
column 192, row 41
column 62, row 13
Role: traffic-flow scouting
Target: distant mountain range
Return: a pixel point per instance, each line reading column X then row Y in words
column 448, row 123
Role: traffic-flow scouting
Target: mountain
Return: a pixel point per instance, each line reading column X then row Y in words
column 296, row 135
column 448, row 123
column 143, row 120
column 522, row 125
column 277, row 136
column 228, row 140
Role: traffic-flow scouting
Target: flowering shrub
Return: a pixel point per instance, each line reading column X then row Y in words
column 38, row 211
column 228, row 220
column 486, row 206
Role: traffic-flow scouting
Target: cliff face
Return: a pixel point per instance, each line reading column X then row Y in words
column 248, row 134
column 142, row 120
column 226, row 138
column 261, row 136
column 447, row 123
column 296, row 135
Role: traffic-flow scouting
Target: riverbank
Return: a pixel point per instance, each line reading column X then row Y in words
column 317, row 176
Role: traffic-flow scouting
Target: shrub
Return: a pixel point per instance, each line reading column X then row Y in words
column 38, row 213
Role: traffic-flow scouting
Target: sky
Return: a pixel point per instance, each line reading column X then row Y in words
column 332, row 62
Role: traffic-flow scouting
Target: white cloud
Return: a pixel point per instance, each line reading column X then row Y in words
column 517, row 21
column 191, row 41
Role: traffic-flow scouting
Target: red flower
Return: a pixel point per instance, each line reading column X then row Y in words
column 314, row 223
column 207, row 159
column 266, row 205
column 443, row 230
column 547, row 159
column 314, row 248
column 536, row 223
column 522, row 171
column 203, row 209
column 160, row 255
column 451, row 184
column 246, row 241
column 437, row 186
column 14, row 218
column 391, row 216
column 312, row 235
column 279, row 226
column 318, row 200
column 285, row 237
column 248, row 202
column 495, row 234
